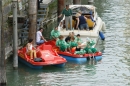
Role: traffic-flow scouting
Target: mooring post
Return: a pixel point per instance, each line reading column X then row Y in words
column 90, row 2
column 15, row 35
column 3, row 79
column 61, row 6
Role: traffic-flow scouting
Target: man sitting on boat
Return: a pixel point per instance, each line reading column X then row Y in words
column 74, row 44
column 29, row 48
column 67, row 39
column 55, row 33
column 39, row 38
column 62, row 44
column 78, row 39
column 73, row 35
column 81, row 21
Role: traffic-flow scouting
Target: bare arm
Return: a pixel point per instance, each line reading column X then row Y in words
column 60, row 15
column 43, row 38
column 85, row 18
column 77, row 22
column 27, row 46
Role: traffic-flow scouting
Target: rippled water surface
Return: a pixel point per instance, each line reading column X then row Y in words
column 112, row 70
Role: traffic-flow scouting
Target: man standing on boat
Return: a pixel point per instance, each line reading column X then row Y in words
column 81, row 21
column 68, row 16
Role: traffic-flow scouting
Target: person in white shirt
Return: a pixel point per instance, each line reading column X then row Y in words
column 39, row 38
column 31, row 49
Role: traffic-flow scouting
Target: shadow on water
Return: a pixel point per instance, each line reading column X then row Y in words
column 26, row 76
column 23, row 67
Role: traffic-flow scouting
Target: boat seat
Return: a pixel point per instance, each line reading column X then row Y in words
column 40, row 47
column 47, row 47
column 52, row 42
column 24, row 50
column 90, row 23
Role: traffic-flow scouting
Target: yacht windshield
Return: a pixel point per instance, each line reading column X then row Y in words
column 83, row 9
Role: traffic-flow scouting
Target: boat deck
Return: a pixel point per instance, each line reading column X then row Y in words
column 83, row 33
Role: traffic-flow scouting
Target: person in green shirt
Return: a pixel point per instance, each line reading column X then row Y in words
column 74, row 44
column 68, row 16
column 78, row 39
column 62, row 44
column 88, row 48
column 55, row 33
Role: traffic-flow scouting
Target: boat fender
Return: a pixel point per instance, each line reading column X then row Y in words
column 101, row 35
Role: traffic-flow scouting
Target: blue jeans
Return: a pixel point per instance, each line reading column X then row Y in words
column 40, row 42
column 83, row 26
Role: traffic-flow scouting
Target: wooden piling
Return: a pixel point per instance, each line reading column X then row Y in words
column 76, row 1
column 90, row 2
column 32, row 19
column 61, row 6
column 15, row 35
column 2, row 50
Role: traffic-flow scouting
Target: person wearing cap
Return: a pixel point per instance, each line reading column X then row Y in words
column 78, row 39
column 55, row 33
column 81, row 21
column 68, row 16
column 91, row 14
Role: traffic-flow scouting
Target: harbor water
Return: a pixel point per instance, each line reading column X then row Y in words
column 112, row 70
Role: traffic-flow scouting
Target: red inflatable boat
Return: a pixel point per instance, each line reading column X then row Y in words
column 71, row 57
column 46, row 55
